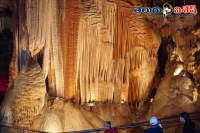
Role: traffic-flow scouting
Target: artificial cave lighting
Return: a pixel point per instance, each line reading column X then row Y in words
column 91, row 103
column 57, row 98
column 178, row 70
column 72, row 65
column 195, row 95
column 151, row 100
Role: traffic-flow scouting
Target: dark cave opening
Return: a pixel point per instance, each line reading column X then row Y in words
column 6, row 44
column 197, row 56
column 165, row 50
column 6, row 50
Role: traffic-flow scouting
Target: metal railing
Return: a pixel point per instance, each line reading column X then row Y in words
column 167, row 122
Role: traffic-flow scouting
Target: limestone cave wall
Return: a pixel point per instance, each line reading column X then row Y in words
column 85, row 52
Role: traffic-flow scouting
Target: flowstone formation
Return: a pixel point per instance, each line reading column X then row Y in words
column 61, row 115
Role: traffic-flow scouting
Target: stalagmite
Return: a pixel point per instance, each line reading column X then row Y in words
column 22, row 103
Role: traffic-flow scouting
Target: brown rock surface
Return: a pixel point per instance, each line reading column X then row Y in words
column 175, row 92
column 61, row 115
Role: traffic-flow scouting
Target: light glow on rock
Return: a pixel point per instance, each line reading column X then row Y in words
column 178, row 70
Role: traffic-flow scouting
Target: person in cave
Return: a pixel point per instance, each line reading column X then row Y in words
column 108, row 129
column 189, row 126
column 153, row 94
column 156, row 127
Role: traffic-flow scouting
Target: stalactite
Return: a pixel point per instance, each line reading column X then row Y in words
column 51, row 74
column 46, row 55
column 119, row 50
column 138, row 40
column 41, row 29
column 95, row 55
column 36, row 16
column 69, row 32
column 57, row 53
column 5, row 23
column 180, row 29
